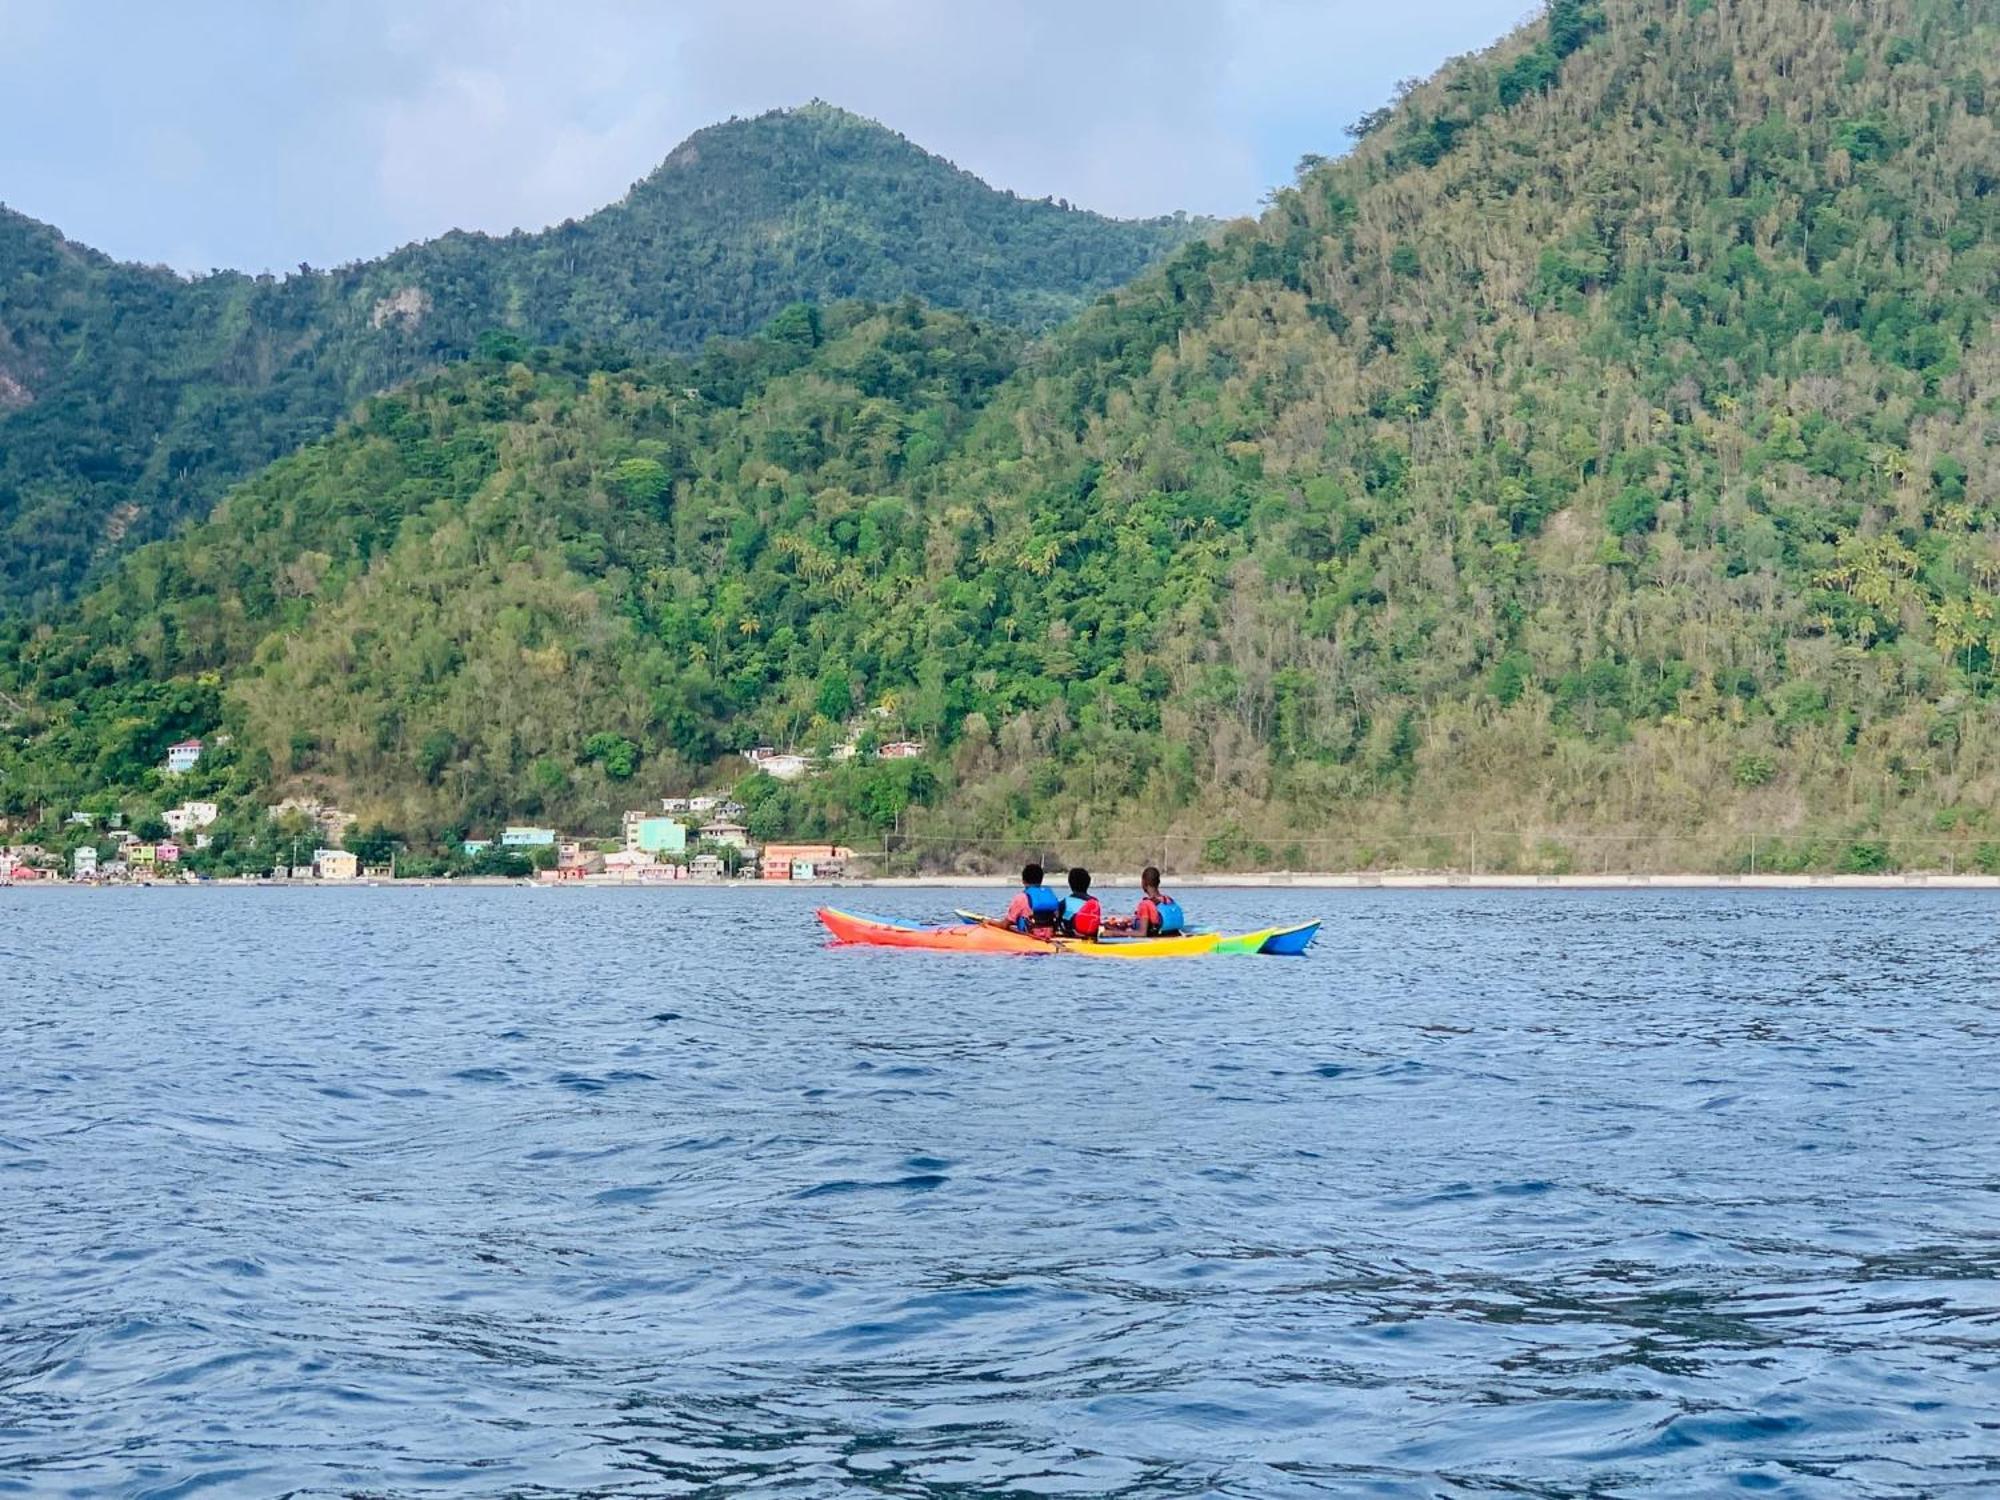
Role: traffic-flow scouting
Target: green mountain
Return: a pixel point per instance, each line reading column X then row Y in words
column 1605, row 449
column 131, row 397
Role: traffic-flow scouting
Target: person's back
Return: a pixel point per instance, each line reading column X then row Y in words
column 1080, row 915
column 1158, row 914
column 1035, row 908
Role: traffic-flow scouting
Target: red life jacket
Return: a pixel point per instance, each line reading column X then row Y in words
column 1081, row 916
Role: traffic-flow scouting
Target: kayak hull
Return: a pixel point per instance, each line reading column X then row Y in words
column 886, row 932
column 1283, row 942
column 882, row 932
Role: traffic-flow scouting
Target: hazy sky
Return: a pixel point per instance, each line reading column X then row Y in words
column 262, row 133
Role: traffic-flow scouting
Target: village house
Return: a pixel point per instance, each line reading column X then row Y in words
column 189, row 816
column 674, row 805
column 901, row 750
column 647, row 834
column 334, row 864
column 167, row 853
column 719, row 832
column 805, row 861
column 527, row 838
column 181, row 758
column 142, row 858
column 705, row 867
column 80, row 820
column 781, row 765
column 702, row 807
column 471, row 847
column 83, row 863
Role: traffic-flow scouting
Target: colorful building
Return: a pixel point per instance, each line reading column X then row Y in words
column 805, row 861
column 645, row 834
column 181, row 758
column 527, row 838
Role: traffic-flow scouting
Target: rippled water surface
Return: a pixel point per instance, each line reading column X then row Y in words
column 506, row 1192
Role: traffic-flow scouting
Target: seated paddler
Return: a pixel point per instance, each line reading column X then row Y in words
column 1035, row 908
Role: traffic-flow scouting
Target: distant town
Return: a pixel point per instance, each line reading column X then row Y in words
column 690, row 838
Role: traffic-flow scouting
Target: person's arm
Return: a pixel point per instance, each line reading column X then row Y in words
column 1017, row 910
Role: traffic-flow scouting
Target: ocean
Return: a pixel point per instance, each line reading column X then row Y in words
column 440, row 1192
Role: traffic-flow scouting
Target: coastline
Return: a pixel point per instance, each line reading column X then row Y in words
column 1269, row 880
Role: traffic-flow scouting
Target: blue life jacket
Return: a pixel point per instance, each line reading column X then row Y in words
column 1172, row 919
column 1043, row 908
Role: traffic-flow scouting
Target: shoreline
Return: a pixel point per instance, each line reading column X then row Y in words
column 1271, row 880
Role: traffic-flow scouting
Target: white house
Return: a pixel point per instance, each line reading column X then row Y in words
column 83, row 863
column 181, row 758
column 783, row 765
column 189, row 816
column 725, row 833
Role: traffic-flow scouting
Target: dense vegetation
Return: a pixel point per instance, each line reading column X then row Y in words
column 130, row 397
column 1607, row 447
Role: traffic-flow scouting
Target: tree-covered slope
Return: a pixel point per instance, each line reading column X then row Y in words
column 1607, row 447
column 130, row 397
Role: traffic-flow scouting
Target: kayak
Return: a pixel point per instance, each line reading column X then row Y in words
column 1285, row 942
column 988, row 937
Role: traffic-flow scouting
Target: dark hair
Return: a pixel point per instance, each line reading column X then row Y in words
column 1032, row 875
column 1079, row 880
column 1149, row 878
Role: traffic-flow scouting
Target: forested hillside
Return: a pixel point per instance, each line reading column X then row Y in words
column 131, row 397
column 1606, row 447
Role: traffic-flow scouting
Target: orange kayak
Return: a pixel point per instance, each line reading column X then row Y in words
column 884, row 932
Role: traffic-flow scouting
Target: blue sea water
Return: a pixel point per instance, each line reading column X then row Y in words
column 507, row 1192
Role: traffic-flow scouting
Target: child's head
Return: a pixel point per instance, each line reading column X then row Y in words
column 1079, row 881
column 1031, row 874
column 1149, row 880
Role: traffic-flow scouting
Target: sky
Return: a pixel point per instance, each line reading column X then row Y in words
column 262, row 134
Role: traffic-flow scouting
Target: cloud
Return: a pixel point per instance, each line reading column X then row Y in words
column 324, row 130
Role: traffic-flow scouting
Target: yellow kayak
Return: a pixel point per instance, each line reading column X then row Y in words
column 1188, row 945
column 1192, row 946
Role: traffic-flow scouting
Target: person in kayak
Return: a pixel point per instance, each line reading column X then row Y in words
column 1158, row 914
column 1080, row 916
column 1035, row 908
